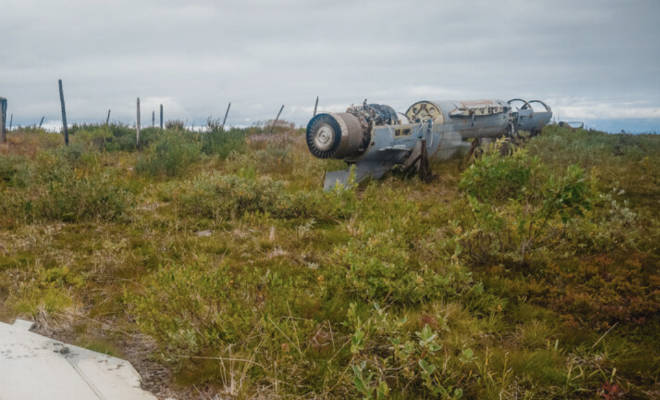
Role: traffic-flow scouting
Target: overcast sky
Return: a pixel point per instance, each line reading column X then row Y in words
column 589, row 60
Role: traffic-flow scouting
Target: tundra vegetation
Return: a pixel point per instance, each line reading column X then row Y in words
column 217, row 265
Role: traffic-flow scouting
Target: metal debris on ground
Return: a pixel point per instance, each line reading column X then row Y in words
column 36, row 367
column 375, row 138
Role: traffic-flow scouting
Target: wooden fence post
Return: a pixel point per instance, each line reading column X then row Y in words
column 3, row 120
column 316, row 105
column 276, row 118
column 107, row 119
column 153, row 119
column 64, row 125
column 137, row 136
column 42, row 121
column 161, row 117
column 225, row 119
column 11, row 120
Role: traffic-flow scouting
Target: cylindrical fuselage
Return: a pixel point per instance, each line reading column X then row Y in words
column 472, row 119
column 375, row 138
column 352, row 136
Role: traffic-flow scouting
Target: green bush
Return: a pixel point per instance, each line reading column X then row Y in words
column 191, row 308
column 92, row 198
column 219, row 196
column 175, row 125
column 516, row 206
column 386, row 261
column 112, row 137
column 64, row 184
column 69, row 199
column 625, row 162
column 222, row 143
column 496, row 178
column 10, row 168
column 169, row 155
column 376, row 266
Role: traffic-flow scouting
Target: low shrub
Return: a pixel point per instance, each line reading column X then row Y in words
column 529, row 209
column 112, row 137
column 604, row 290
column 219, row 196
column 388, row 260
column 222, row 143
column 169, row 155
column 191, row 308
column 94, row 198
column 45, row 295
column 494, row 178
column 68, row 199
column 10, row 168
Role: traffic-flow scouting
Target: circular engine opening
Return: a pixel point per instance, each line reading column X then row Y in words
column 337, row 135
column 323, row 136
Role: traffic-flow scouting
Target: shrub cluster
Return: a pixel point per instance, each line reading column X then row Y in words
column 501, row 280
column 58, row 187
column 517, row 210
column 169, row 155
column 222, row 143
column 218, row 196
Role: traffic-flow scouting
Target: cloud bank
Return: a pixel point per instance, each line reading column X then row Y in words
column 588, row 59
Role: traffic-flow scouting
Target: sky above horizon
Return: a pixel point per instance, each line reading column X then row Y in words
column 589, row 60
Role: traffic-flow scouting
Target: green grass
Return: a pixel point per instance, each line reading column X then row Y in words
column 217, row 257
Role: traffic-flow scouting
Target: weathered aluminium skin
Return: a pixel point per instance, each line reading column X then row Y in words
column 374, row 138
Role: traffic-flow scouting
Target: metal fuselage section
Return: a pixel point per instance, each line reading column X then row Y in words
column 374, row 138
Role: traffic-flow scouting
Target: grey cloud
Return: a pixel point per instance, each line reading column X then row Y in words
column 196, row 56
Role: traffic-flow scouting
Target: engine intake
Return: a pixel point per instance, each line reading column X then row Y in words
column 337, row 135
column 347, row 135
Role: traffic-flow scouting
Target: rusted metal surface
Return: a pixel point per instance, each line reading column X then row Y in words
column 375, row 138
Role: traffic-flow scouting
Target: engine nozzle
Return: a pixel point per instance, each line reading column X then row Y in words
column 337, row 135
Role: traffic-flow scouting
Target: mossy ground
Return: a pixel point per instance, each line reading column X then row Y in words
column 216, row 264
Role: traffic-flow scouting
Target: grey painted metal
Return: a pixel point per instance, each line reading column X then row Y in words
column 442, row 125
column 65, row 127
column 529, row 120
column 3, row 120
column 36, row 367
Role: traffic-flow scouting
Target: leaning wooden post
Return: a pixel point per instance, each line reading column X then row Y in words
column 42, row 121
column 153, row 119
column 107, row 119
column 137, row 136
column 64, row 125
column 316, row 105
column 161, row 117
column 11, row 121
column 225, row 119
column 276, row 118
column 3, row 120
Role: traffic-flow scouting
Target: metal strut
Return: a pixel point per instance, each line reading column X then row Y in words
column 419, row 159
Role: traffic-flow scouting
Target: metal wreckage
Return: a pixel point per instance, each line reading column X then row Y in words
column 375, row 138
